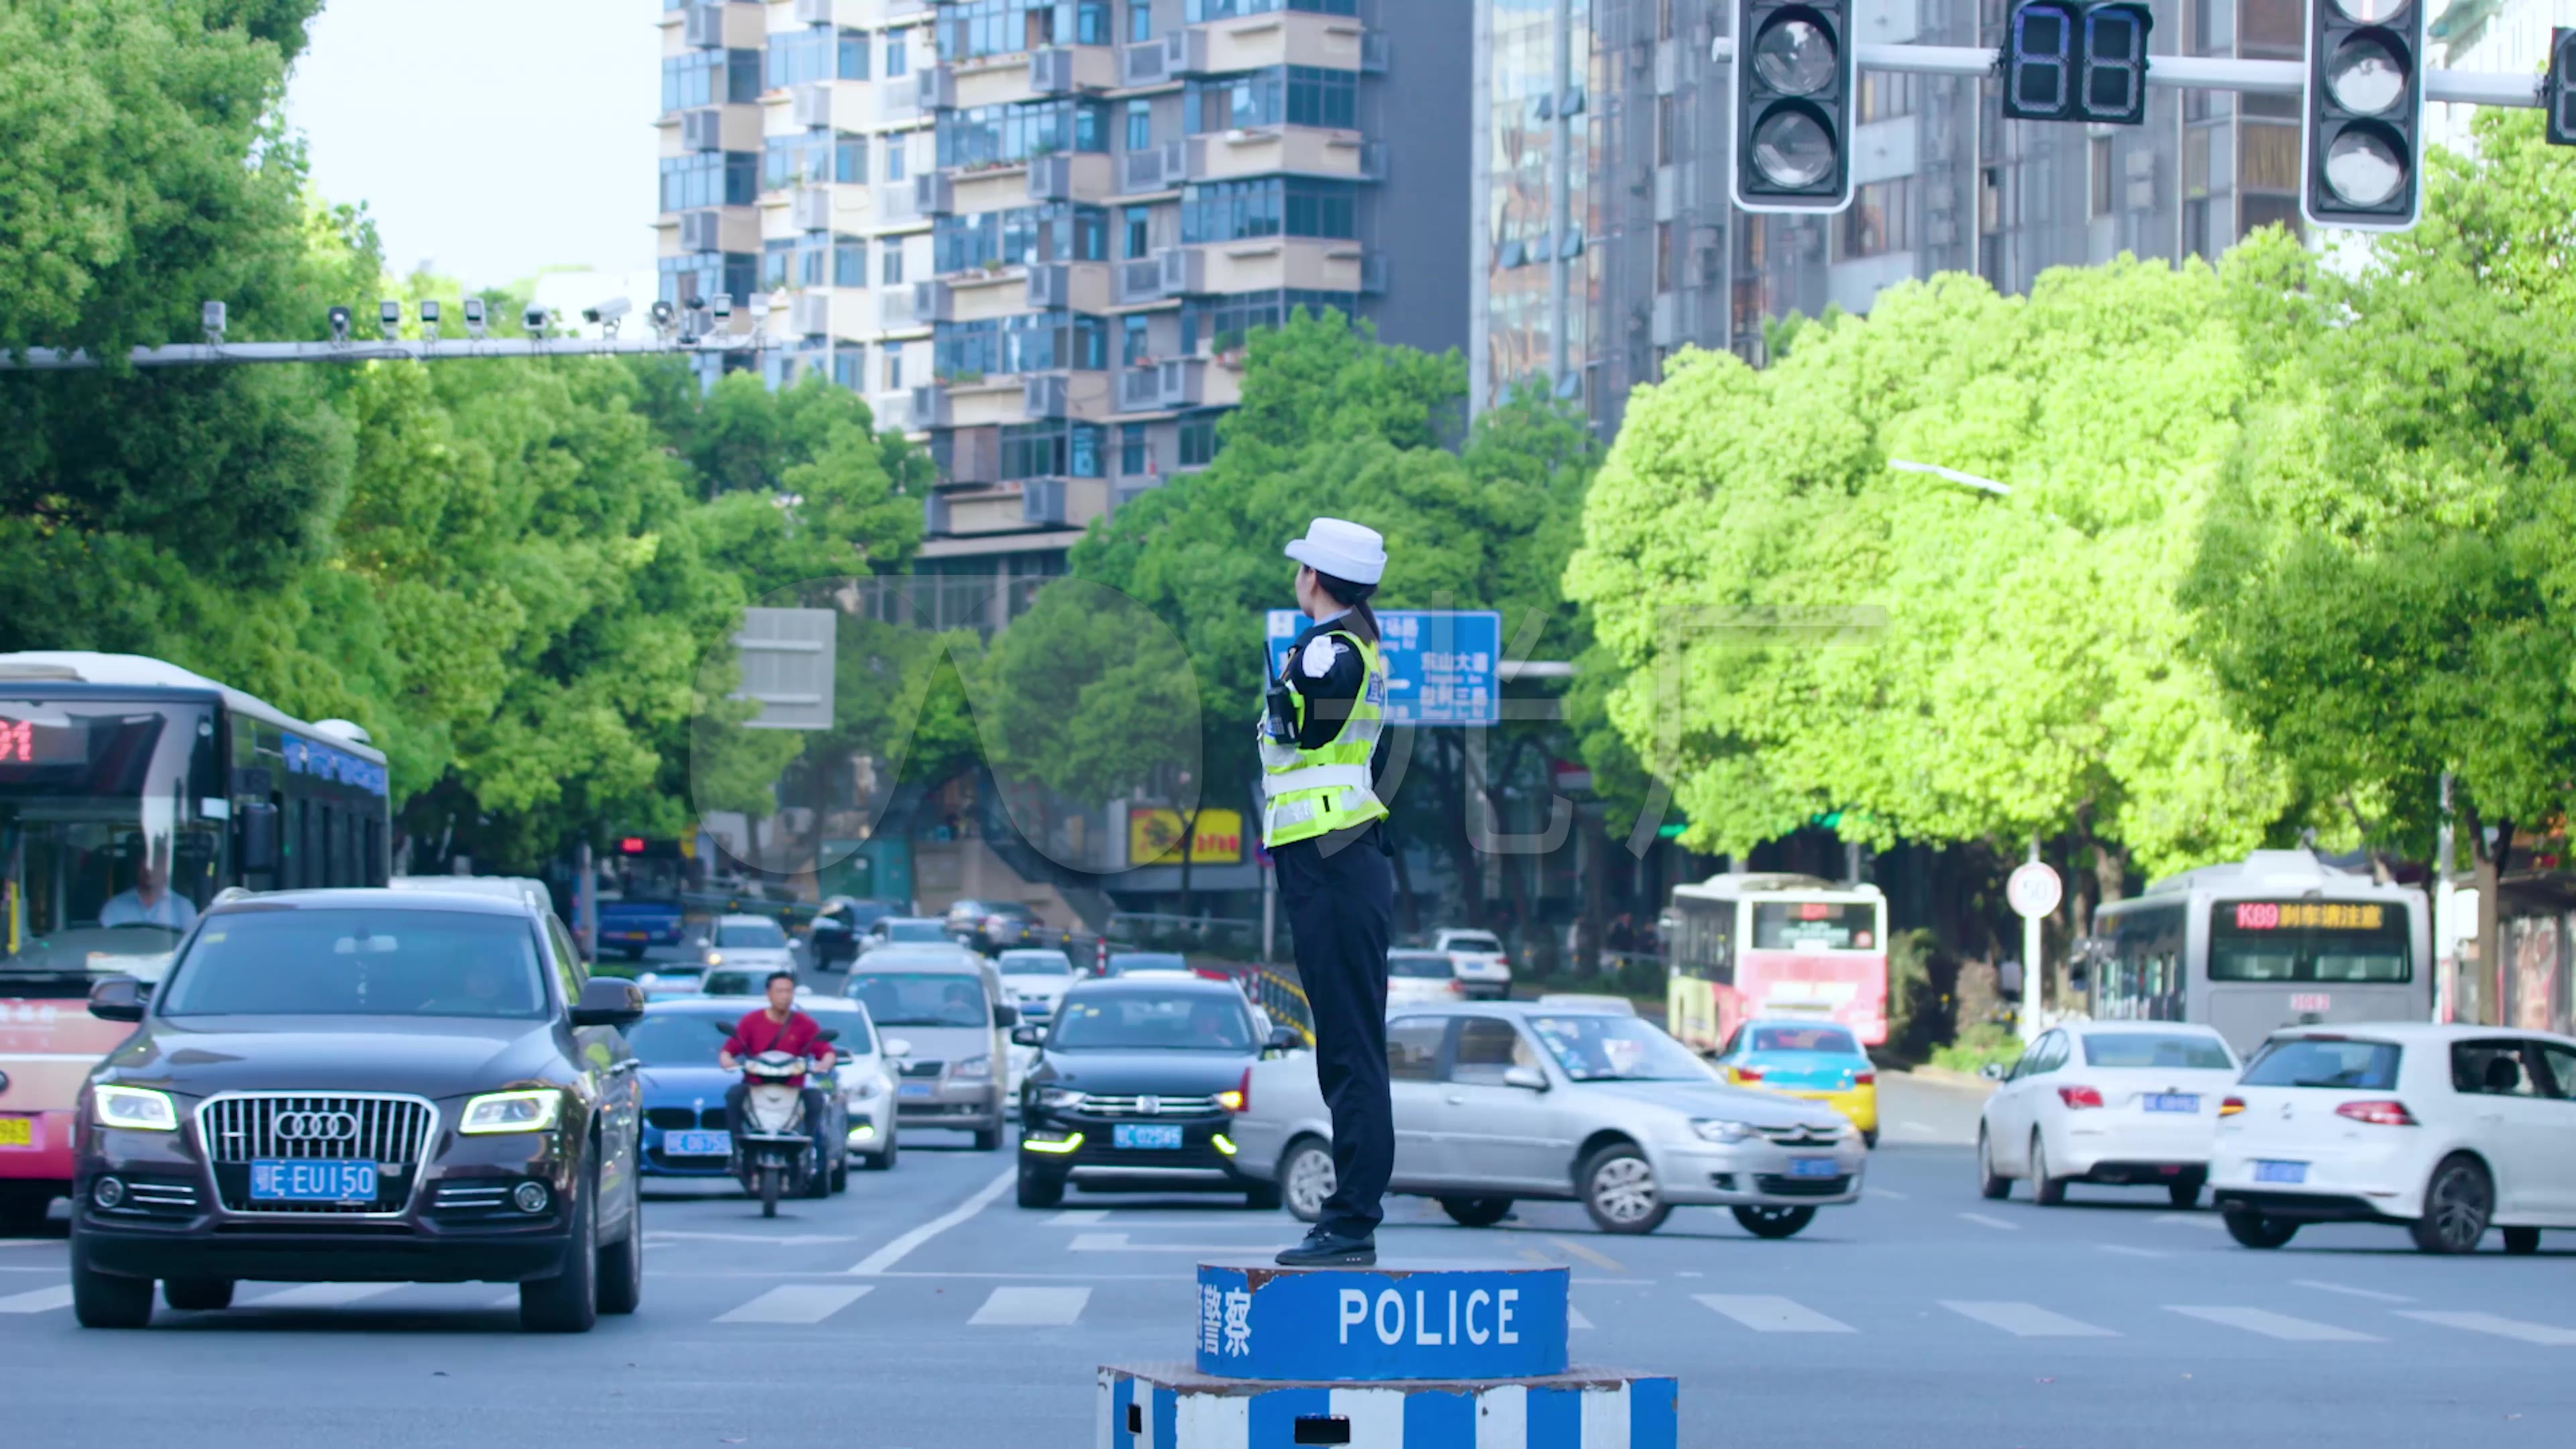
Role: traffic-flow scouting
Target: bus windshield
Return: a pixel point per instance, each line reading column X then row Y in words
column 105, row 859
column 1815, row 926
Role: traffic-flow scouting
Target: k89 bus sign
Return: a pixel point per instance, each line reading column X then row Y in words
column 1443, row 666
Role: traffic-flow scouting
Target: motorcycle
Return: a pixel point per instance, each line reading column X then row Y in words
column 774, row 1153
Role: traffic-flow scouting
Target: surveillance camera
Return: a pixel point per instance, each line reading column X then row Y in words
column 339, row 324
column 661, row 313
column 608, row 311
column 535, row 320
column 429, row 318
column 474, row 317
column 212, row 316
column 389, row 318
column 721, row 304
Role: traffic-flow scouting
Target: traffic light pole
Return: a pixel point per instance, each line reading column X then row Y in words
column 56, row 359
column 2190, row 72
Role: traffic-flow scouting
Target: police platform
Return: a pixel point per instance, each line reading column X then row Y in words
column 1435, row 1355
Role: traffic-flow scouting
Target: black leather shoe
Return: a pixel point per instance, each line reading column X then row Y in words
column 1326, row 1249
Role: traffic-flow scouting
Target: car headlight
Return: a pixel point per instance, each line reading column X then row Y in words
column 1718, row 1129
column 973, row 1067
column 135, row 1109
column 715, row 958
column 1059, row 1097
column 529, row 1111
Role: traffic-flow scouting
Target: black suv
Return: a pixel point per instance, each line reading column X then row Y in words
column 363, row 1086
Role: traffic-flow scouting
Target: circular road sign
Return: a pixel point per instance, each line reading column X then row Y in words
column 2033, row 890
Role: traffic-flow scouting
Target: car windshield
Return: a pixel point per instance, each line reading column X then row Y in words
column 734, row 983
column 1615, row 1049
column 751, row 934
column 921, row 998
column 1427, row 964
column 2182, row 1050
column 1035, row 963
column 2320, row 1061
column 1474, row 941
column 1805, row 1039
column 335, row 962
column 1149, row 1020
column 677, row 1038
column 915, row 930
column 854, row 1038
column 1135, row 961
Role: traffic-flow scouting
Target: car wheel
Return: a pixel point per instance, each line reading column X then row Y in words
column 1990, row 1183
column 568, row 1302
column 841, row 1174
column 1040, row 1189
column 198, row 1295
column 1774, row 1222
column 1476, row 1212
column 1619, row 1191
column 2457, row 1205
column 1869, row 1139
column 2522, row 1242
column 2045, row 1190
column 1262, row 1197
column 2257, row 1231
column 2184, row 1194
column 621, row 1263
column 103, row 1300
column 884, row 1161
column 1306, row 1178
column 988, row 1139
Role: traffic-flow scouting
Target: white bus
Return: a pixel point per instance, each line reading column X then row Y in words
column 1741, row 946
column 2277, row 939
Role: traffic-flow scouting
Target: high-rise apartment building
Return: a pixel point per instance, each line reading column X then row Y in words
column 1035, row 233
column 1589, row 275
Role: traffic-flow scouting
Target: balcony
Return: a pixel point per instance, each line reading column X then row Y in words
column 1178, row 384
column 971, row 297
column 897, row 102
column 702, row 130
column 973, row 403
column 1068, row 287
column 1255, row 42
column 810, row 209
column 716, row 229
column 1289, row 150
column 895, row 203
column 1261, row 264
column 1156, row 168
column 809, row 314
column 1138, row 282
column 716, row 128
column 1002, row 187
column 1185, row 271
column 1069, row 176
column 1064, row 69
column 1147, row 64
column 933, row 194
column 895, row 310
column 893, row 410
column 813, row 106
column 1082, row 396
column 1042, row 500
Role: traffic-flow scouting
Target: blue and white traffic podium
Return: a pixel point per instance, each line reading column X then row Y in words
column 1389, row 1357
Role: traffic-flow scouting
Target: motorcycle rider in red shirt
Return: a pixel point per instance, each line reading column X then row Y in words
column 778, row 1026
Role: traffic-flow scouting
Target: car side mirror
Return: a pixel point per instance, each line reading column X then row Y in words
column 896, row 1046
column 258, row 837
column 1994, row 1071
column 1005, row 1014
column 607, row 1001
column 1282, row 1041
column 1028, row 1036
column 1528, row 1079
column 119, row 998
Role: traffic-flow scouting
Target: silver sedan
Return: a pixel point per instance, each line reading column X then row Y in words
column 1512, row 1100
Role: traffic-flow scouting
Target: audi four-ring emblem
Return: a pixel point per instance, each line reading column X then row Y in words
column 314, row 1126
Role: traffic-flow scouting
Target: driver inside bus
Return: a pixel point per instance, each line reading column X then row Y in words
column 149, row 902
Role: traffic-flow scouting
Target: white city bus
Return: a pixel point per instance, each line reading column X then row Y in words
column 2276, row 939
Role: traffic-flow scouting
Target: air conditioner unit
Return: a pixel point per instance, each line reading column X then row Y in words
column 811, row 209
column 1144, row 65
column 1042, row 500
column 810, row 315
column 813, row 106
column 702, row 130
column 704, row 28
column 1043, row 395
column 813, row 12
column 1051, row 71
column 935, row 87
column 933, row 194
column 701, row 231
column 1050, row 286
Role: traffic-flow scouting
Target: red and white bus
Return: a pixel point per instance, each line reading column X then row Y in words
column 1737, row 947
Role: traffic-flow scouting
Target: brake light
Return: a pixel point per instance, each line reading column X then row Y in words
column 1864, row 1077
column 1744, row 1074
column 2079, row 1096
column 2378, row 1114
column 1240, row 1097
column 1457, row 987
column 2231, row 1106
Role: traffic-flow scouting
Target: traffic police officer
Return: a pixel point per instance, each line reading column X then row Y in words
column 1325, row 830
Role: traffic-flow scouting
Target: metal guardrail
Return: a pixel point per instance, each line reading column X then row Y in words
column 1284, row 999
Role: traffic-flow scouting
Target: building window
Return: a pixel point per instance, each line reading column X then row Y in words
column 890, row 264
column 2253, row 213
column 893, row 369
column 1050, row 450
column 1201, row 11
column 1301, row 95
column 1001, row 134
column 1056, row 232
column 2268, row 158
column 776, row 257
column 1132, row 340
column 816, row 54
column 812, row 256
column 1138, row 224
column 1663, row 20
column 1990, row 200
column 1663, row 256
column 1667, row 125
column 1883, row 94
column 1140, row 124
column 849, row 367
column 1876, row 223
column 710, row 78
column 1091, row 22
column 2271, row 27
column 1140, row 20
column 896, row 62
column 849, row 262
column 1007, row 27
column 1134, row 459
column 898, row 153
column 1198, row 442
column 1247, row 313
column 2100, row 163
column 710, row 178
column 1234, row 210
column 850, row 160
column 1029, row 342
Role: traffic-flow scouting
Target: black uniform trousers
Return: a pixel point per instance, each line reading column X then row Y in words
column 1339, row 894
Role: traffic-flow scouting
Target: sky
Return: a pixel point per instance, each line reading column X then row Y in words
column 489, row 138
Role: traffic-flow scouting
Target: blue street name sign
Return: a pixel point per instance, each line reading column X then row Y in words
column 1442, row 665
column 1368, row 1324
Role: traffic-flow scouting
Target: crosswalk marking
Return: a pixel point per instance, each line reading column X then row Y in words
column 42, row 1300
column 1030, row 1308
column 2273, row 1325
column 1889, row 1193
column 2542, row 1333
column 1078, row 1217
column 1574, row 1318
column 2025, row 1320
column 1983, row 1221
column 324, row 1295
column 1764, row 1313
column 2346, row 1289
column 2125, row 1251
column 2211, row 1221
column 798, row 1303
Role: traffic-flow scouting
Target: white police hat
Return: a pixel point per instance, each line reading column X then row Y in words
column 1342, row 549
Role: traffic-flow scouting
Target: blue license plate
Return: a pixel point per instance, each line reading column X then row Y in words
column 1144, row 1134
column 697, row 1144
column 915, row 1090
column 2172, row 1102
column 1814, row 1167
column 2280, row 1172
column 312, row 1180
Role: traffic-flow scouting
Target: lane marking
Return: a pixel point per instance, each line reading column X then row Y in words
column 2274, row 1325
column 1593, row 1256
column 2373, row 1294
column 1918, row 1126
column 2025, row 1320
column 1030, row 1308
column 787, row 1240
column 798, row 1303
column 1764, row 1313
column 42, row 1300
column 324, row 1295
column 1890, row 1193
column 2501, row 1327
column 1077, row 1217
column 896, row 1251
column 2125, row 1251
column 1574, row 1318
column 2210, row 1221
column 1119, row 1243
column 1983, row 1221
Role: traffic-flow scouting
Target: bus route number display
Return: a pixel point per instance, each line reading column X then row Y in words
column 27, row 742
column 2308, row 915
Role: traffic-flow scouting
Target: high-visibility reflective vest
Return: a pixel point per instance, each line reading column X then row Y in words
column 1306, row 793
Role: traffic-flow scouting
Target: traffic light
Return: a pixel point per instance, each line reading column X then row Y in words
column 2064, row 61
column 1793, row 73
column 2558, row 92
column 2365, row 114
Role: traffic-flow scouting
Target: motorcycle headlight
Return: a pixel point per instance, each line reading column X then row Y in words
column 529, row 1111
column 1718, row 1129
column 973, row 1067
column 135, row 1109
column 1059, row 1097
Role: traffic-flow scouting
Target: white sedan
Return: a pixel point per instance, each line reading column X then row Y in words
column 2443, row 1130
column 749, row 943
column 2128, row 1103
